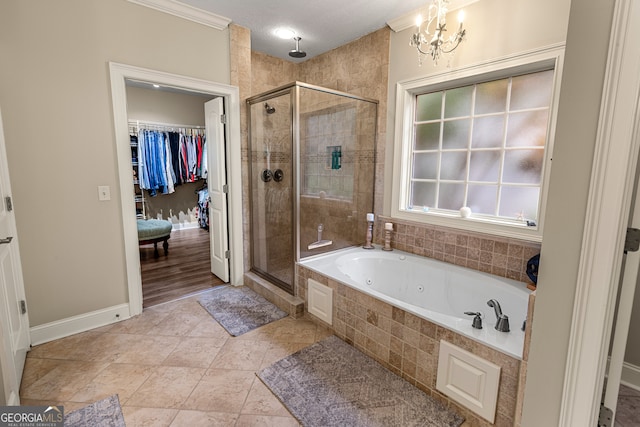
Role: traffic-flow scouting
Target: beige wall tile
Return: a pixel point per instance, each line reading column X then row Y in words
column 410, row 348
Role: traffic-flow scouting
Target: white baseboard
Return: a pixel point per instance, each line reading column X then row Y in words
column 184, row 225
column 631, row 376
column 83, row 322
column 14, row 399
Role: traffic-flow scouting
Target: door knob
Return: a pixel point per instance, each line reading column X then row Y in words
column 7, row 240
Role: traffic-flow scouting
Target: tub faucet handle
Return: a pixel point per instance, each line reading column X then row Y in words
column 477, row 320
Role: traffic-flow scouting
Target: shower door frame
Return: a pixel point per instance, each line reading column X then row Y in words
column 294, row 91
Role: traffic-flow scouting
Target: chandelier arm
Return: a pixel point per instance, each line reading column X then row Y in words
column 450, row 50
column 423, row 52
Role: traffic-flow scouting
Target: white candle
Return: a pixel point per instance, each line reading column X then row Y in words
column 388, row 226
column 370, row 217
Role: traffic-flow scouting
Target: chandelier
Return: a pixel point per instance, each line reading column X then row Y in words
column 431, row 40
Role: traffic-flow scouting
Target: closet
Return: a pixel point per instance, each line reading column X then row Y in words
column 164, row 157
column 169, row 171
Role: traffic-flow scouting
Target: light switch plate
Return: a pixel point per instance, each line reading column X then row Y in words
column 104, row 192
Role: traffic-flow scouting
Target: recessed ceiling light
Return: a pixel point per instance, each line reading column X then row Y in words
column 285, row 33
column 156, row 86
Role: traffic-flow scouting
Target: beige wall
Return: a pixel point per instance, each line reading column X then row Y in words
column 582, row 82
column 56, row 103
column 166, row 107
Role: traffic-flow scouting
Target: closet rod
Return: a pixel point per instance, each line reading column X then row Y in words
column 143, row 124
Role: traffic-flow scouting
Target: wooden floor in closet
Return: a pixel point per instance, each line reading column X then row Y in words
column 185, row 270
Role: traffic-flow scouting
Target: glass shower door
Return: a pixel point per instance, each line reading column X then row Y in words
column 271, row 180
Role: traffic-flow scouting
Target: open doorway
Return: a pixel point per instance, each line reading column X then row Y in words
column 222, row 123
column 177, row 199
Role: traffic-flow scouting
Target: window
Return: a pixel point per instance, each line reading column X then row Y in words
column 479, row 142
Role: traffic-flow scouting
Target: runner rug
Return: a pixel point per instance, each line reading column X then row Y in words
column 331, row 383
column 239, row 309
column 103, row 413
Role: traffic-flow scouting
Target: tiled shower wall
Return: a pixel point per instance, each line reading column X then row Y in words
column 337, row 198
column 359, row 68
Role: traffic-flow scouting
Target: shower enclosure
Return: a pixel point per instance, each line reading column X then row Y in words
column 312, row 174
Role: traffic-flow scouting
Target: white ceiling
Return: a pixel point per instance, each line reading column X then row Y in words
column 322, row 24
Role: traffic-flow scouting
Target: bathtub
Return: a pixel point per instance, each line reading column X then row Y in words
column 434, row 290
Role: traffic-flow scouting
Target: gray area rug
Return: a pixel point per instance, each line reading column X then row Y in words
column 239, row 310
column 331, row 383
column 103, row 413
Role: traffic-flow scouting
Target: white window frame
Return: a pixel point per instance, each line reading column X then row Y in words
column 406, row 91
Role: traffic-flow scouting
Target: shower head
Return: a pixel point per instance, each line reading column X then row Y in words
column 297, row 53
column 269, row 109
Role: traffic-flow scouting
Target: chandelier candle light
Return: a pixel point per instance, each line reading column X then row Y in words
column 431, row 40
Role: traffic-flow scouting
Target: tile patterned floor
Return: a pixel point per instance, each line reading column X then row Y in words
column 171, row 366
column 175, row 366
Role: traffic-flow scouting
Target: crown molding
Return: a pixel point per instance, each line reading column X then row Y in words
column 181, row 10
column 409, row 20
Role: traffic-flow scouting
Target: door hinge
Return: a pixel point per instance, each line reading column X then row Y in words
column 223, row 119
column 605, row 416
column 8, row 203
column 23, row 307
column 225, row 189
column 227, row 254
column 632, row 240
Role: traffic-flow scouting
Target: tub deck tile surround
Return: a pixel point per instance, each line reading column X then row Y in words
column 408, row 345
column 495, row 255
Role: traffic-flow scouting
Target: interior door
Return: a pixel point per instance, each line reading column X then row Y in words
column 13, row 317
column 217, row 182
column 623, row 317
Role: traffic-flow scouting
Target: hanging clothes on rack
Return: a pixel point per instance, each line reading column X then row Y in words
column 154, row 162
column 174, row 145
column 167, row 158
